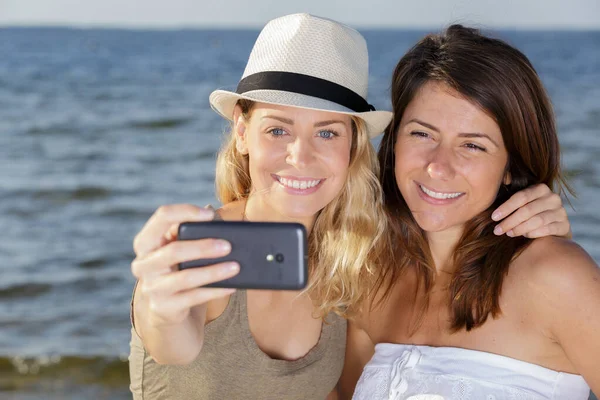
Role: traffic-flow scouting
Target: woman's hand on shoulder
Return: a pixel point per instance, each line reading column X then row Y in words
column 533, row 212
column 169, row 294
column 565, row 285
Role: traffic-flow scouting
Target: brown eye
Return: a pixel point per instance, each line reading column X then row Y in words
column 473, row 146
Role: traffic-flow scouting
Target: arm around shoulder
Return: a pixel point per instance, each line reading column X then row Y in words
column 567, row 282
column 359, row 350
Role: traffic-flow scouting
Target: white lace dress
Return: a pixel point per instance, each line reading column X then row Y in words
column 408, row 372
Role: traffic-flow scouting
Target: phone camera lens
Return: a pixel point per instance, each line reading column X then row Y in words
column 279, row 258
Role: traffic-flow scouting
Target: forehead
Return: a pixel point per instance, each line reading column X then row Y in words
column 438, row 104
column 298, row 113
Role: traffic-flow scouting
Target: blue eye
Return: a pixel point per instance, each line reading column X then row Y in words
column 277, row 132
column 327, row 134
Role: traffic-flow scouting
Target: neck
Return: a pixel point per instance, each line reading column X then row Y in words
column 257, row 210
column 442, row 245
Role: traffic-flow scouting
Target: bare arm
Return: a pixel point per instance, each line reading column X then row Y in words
column 169, row 307
column 568, row 288
column 359, row 350
column 178, row 343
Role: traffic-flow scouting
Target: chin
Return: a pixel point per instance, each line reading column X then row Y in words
column 431, row 222
column 302, row 207
column 439, row 218
column 300, row 211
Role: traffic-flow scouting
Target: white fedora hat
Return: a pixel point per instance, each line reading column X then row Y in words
column 305, row 61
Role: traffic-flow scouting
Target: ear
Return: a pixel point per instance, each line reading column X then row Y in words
column 239, row 130
column 507, row 178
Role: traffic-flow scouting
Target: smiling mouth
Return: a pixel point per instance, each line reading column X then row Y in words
column 440, row 195
column 299, row 184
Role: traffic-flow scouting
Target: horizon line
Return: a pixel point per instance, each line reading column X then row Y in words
column 180, row 27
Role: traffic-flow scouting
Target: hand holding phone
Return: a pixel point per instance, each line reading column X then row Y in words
column 271, row 255
column 164, row 295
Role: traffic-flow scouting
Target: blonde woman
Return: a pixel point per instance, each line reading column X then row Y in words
column 299, row 150
column 290, row 157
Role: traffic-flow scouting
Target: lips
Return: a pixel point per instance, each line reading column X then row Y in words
column 440, row 195
column 437, row 197
column 299, row 185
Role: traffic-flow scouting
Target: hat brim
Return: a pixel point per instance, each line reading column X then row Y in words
column 223, row 102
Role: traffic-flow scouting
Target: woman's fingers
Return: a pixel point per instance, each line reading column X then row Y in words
column 170, row 297
column 534, row 213
column 191, row 278
column 520, row 199
column 529, row 213
column 161, row 260
column 555, row 228
column 174, row 308
column 544, row 219
column 153, row 234
column 172, row 232
column 170, row 293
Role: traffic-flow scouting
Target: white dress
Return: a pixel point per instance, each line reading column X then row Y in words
column 409, row 372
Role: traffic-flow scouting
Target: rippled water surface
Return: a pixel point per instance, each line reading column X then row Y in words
column 100, row 127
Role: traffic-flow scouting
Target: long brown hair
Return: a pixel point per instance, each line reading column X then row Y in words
column 503, row 83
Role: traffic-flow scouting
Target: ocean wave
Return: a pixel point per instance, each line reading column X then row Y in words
column 25, row 290
column 53, row 130
column 65, row 195
column 126, row 212
column 94, row 263
column 19, row 372
column 160, row 123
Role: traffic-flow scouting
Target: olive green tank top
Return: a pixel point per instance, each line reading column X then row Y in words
column 232, row 366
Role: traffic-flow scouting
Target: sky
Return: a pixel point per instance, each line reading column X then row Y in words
column 520, row 14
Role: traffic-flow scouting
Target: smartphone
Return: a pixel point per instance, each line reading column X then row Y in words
column 272, row 255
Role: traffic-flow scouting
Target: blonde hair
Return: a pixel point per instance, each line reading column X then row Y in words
column 344, row 241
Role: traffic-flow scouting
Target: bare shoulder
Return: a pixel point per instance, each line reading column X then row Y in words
column 231, row 211
column 549, row 255
column 560, row 288
column 557, row 269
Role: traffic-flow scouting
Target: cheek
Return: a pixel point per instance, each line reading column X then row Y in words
column 407, row 159
column 483, row 180
column 337, row 159
column 343, row 163
column 264, row 153
column 263, row 160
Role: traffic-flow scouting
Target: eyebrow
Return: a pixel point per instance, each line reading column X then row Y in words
column 280, row 119
column 328, row 122
column 291, row 122
column 466, row 135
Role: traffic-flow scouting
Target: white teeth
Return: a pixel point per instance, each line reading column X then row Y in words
column 437, row 195
column 294, row 184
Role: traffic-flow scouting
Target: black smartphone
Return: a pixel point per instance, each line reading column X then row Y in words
column 272, row 255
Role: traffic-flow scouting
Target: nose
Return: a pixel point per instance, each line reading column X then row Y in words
column 440, row 165
column 300, row 153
